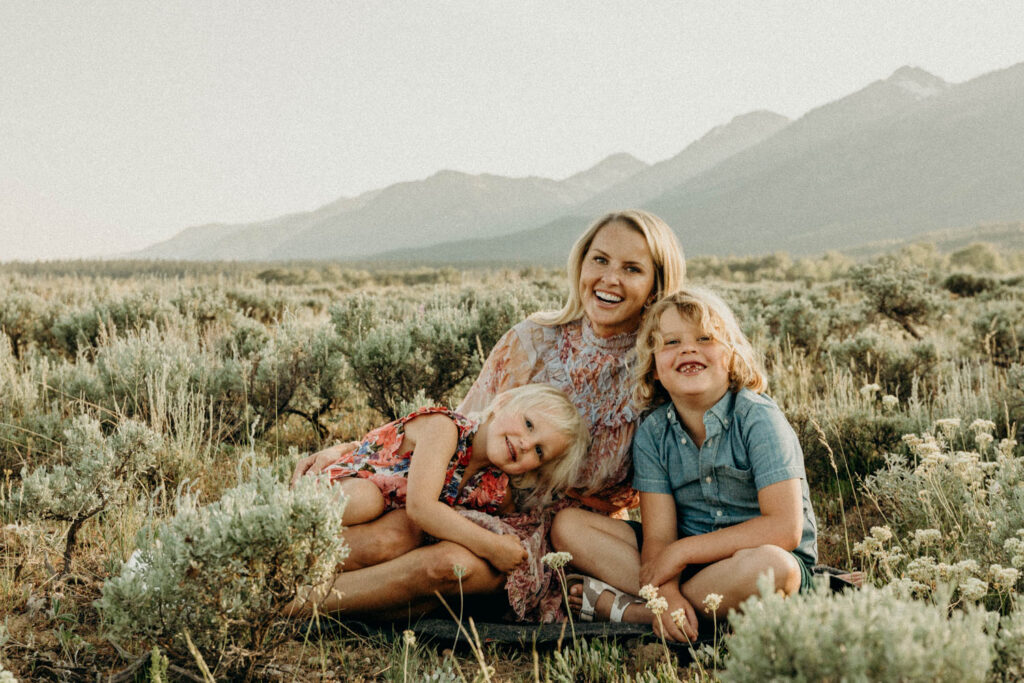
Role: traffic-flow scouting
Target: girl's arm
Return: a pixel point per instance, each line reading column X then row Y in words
column 658, row 511
column 435, row 438
column 780, row 523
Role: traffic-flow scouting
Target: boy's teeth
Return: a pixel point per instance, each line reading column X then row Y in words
column 608, row 298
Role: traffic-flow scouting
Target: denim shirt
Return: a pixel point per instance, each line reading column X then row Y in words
column 749, row 445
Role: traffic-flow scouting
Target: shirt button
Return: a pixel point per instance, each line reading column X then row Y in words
column 719, row 513
column 708, row 480
column 682, row 441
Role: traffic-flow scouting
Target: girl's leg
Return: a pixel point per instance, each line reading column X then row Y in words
column 364, row 501
column 735, row 578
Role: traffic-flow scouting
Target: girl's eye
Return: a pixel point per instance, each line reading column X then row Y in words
column 704, row 339
column 540, row 452
column 529, row 423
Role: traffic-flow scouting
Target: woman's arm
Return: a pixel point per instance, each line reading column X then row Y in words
column 435, row 437
column 507, row 366
column 780, row 523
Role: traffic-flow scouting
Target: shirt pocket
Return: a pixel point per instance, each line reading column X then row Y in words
column 736, row 486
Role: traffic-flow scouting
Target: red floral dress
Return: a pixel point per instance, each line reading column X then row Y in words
column 379, row 459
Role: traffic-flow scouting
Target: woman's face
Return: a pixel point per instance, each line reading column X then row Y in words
column 617, row 279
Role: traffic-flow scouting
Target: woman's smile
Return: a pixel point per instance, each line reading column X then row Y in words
column 616, row 279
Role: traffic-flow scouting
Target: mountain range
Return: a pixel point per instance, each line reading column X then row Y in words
column 903, row 156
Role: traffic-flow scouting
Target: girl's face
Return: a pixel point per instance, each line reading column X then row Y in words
column 518, row 441
column 692, row 366
column 616, row 279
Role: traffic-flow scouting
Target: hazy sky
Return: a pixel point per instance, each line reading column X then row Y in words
column 124, row 121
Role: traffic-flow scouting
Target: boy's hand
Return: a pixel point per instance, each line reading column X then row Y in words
column 666, row 565
column 316, row 463
column 672, row 630
column 507, row 553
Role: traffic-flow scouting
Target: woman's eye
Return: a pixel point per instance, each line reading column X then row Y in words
column 633, row 269
column 600, row 259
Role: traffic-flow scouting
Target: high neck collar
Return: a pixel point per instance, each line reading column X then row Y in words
column 616, row 342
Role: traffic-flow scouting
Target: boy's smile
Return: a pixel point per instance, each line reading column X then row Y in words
column 691, row 365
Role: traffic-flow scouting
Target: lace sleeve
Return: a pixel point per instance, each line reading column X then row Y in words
column 507, row 366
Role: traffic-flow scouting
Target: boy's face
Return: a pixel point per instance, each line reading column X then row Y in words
column 692, row 366
column 520, row 440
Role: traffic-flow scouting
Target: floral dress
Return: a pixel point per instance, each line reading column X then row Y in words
column 379, row 459
column 595, row 373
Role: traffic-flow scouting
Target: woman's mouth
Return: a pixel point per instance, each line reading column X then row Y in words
column 607, row 297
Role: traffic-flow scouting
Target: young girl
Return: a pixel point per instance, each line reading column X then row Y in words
column 723, row 492
column 530, row 438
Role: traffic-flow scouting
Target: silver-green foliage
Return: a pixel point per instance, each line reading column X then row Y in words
column 223, row 572
column 864, row 635
column 98, row 471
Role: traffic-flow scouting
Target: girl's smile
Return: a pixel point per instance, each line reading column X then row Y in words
column 520, row 441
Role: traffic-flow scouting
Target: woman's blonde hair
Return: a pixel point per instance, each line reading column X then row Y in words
column 715, row 319
column 555, row 474
column 667, row 255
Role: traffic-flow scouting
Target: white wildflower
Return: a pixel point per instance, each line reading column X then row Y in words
column 648, row 592
column 973, row 589
column 1006, row 447
column 948, row 425
column 679, row 618
column 983, row 440
column 968, row 567
column 910, row 588
column 458, row 570
column 882, row 534
column 890, row 402
column 869, row 390
column 712, row 601
column 983, row 426
column 1004, row 577
column 657, row 605
column 7, row 676
column 923, row 537
column 409, row 636
column 557, row 560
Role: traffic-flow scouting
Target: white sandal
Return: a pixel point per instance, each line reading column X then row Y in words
column 592, row 590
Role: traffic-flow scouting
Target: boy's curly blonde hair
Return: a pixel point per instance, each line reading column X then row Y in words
column 715, row 319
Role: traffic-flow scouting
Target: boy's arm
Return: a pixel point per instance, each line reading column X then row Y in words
column 780, row 523
column 435, row 438
column 658, row 511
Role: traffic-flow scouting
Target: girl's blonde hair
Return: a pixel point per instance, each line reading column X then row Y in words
column 667, row 255
column 715, row 319
column 537, row 486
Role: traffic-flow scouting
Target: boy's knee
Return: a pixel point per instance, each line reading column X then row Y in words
column 783, row 565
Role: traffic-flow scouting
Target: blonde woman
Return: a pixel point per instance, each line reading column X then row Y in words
column 619, row 267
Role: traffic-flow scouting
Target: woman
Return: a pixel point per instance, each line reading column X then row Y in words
column 619, row 266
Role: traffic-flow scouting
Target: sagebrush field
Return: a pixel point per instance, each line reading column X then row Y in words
column 162, row 406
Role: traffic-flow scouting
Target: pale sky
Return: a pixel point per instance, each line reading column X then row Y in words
column 123, row 122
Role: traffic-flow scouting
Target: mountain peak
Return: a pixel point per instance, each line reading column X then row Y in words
column 917, row 81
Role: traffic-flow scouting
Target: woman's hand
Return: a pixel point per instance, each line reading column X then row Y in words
column 664, row 567
column 507, row 553
column 668, row 626
column 316, row 463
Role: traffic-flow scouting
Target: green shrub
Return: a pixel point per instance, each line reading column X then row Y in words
column 223, row 573
column 967, row 284
column 895, row 367
column 864, row 635
column 899, row 290
column 98, row 473
column 998, row 332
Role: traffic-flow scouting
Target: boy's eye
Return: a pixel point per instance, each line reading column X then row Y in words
column 670, row 342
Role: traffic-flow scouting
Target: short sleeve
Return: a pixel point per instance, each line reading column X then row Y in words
column 507, row 366
column 649, row 471
column 773, row 447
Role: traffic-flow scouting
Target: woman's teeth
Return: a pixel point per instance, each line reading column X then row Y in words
column 608, row 298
